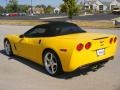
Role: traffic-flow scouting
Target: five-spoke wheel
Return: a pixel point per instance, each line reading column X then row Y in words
column 52, row 63
column 7, row 47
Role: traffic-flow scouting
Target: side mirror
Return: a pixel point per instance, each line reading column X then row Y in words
column 21, row 36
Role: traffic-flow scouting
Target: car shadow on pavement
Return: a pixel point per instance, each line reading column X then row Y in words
column 22, row 60
column 80, row 71
column 83, row 71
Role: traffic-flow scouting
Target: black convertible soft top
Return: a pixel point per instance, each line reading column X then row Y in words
column 62, row 28
column 54, row 29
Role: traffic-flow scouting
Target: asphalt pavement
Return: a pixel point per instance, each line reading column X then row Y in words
column 63, row 17
column 20, row 74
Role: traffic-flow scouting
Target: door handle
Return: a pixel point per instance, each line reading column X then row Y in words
column 39, row 41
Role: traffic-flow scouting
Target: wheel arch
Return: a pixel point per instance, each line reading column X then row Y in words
column 6, row 39
column 47, row 49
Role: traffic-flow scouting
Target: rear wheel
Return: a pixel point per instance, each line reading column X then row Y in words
column 7, row 47
column 52, row 63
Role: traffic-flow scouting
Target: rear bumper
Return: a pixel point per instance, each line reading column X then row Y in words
column 98, row 62
column 73, row 67
column 80, row 59
column 94, row 66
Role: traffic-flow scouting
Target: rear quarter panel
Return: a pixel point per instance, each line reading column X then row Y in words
column 57, row 44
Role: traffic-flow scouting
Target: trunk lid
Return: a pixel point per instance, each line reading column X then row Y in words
column 85, row 36
column 97, row 40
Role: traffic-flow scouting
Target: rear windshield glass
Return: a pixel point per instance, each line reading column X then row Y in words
column 71, row 29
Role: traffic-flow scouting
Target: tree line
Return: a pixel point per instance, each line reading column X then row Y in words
column 69, row 6
column 13, row 6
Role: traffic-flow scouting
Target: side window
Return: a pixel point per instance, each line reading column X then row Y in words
column 54, row 30
column 36, row 32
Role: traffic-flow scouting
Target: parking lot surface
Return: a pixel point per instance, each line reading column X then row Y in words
column 54, row 17
column 20, row 74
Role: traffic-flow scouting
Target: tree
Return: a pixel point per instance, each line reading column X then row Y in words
column 41, row 6
column 77, row 9
column 63, row 8
column 71, row 6
column 12, row 6
column 23, row 8
column 1, row 10
column 49, row 9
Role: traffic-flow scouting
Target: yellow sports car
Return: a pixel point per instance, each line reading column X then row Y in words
column 61, row 46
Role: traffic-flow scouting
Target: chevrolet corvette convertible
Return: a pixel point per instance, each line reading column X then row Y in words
column 61, row 46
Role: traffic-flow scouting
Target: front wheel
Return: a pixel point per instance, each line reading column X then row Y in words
column 52, row 63
column 8, row 49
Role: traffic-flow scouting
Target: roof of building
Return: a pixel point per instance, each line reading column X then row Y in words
column 106, row 3
column 90, row 2
column 118, row 0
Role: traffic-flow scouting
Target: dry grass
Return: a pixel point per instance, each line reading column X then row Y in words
column 88, row 24
column 21, row 22
column 96, row 24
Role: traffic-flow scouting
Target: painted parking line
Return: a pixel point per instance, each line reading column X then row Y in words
column 53, row 17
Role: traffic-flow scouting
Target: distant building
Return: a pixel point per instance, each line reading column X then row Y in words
column 115, row 4
column 96, row 5
column 57, row 10
column 36, row 10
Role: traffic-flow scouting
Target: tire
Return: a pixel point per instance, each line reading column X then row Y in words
column 52, row 63
column 7, row 47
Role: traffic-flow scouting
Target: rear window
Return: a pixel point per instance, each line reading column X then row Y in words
column 64, row 29
column 71, row 29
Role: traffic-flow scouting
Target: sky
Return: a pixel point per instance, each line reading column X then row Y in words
column 54, row 3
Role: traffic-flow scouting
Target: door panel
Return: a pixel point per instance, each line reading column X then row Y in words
column 30, row 48
column 30, row 45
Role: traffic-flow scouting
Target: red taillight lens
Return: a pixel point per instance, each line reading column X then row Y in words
column 88, row 45
column 80, row 47
column 115, row 39
column 111, row 40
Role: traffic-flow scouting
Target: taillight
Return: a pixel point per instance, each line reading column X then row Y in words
column 111, row 40
column 80, row 47
column 88, row 45
column 115, row 39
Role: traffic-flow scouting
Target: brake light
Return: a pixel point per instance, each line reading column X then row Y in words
column 80, row 47
column 88, row 45
column 115, row 39
column 111, row 40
